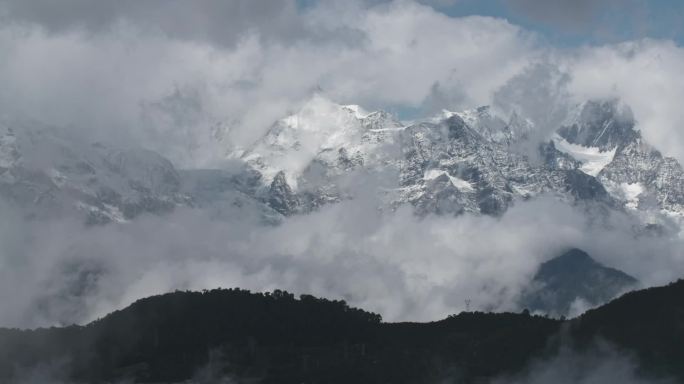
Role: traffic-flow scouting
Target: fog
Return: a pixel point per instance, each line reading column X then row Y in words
column 128, row 72
column 393, row 263
column 600, row 363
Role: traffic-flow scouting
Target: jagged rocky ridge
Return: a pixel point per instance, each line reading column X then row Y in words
column 464, row 162
column 275, row 338
column 49, row 173
column 450, row 164
column 45, row 172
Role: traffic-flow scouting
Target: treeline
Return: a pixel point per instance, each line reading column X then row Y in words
column 278, row 338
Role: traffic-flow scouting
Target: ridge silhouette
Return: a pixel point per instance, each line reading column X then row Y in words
column 277, row 338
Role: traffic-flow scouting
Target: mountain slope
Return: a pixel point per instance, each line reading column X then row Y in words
column 569, row 283
column 49, row 173
column 458, row 162
column 630, row 169
column 45, row 172
column 649, row 322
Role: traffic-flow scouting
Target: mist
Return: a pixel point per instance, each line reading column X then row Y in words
column 127, row 74
column 57, row 272
column 599, row 363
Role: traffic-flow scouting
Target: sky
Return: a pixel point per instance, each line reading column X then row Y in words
column 194, row 80
column 573, row 23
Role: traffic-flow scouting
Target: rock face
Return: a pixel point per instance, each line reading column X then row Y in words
column 454, row 163
column 604, row 125
column 572, row 282
column 280, row 195
column 466, row 162
column 49, row 173
column 632, row 171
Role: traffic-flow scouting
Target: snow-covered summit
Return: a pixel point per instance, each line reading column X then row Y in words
column 320, row 131
column 49, row 172
column 467, row 160
column 603, row 137
column 602, row 124
column 492, row 125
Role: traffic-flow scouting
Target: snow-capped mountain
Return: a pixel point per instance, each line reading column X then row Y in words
column 301, row 156
column 453, row 163
column 491, row 126
column 464, row 161
column 602, row 136
column 47, row 172
column 339, row 136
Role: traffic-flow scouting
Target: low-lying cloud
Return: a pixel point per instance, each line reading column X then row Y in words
column 399, row 265
column 601, row 363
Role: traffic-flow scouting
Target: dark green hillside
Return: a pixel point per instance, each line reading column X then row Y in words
column 277, row 338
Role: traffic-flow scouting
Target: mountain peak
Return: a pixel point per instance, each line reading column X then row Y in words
column 358, row 112
column 317, row 133
column 573, row 281
column 605, row 124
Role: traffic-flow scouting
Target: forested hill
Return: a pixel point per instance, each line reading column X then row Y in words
column 277, row 338
column 649, row 323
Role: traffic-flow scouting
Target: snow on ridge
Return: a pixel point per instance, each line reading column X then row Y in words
column 631, row 193
column 317, row 131
column 8, row 150
column 459, row 183
column 471, row 116
column 592, row 158
column 445, row 114
column 357, row 110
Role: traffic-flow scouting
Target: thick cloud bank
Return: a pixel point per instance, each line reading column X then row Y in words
column 133, row 71
column 397, row 264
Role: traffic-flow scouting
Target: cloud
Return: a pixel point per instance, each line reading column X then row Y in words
column 645, row 75
column 120, row 72
column 220, row 22
column 538, row 93
column 128, row 72
column 393, row 263
column 600, row 363
column 129, row 82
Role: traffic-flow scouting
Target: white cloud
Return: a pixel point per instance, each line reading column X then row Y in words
column 597, row 363
column 392, row 55
column 647, row 76
column 216, row 21
column 132, row 81
column 396, row 264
